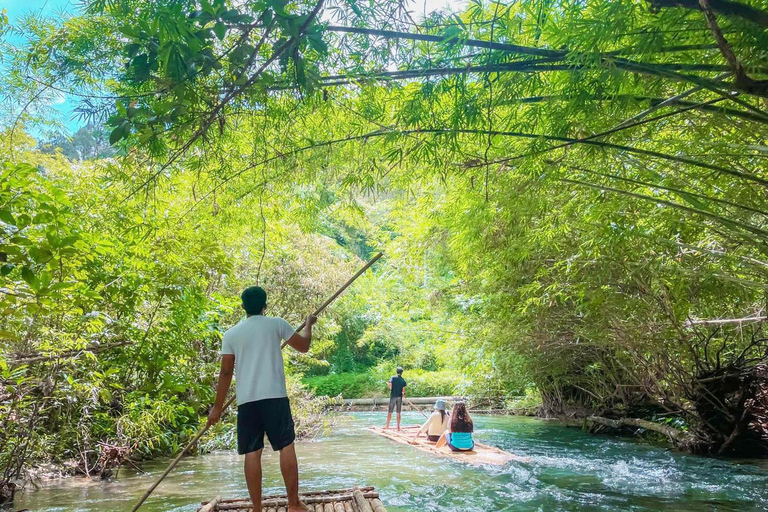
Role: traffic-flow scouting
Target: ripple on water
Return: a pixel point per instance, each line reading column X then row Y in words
column 569, row 471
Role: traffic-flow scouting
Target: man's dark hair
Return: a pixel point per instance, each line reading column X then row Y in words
column 399, row 370
column 254, row 299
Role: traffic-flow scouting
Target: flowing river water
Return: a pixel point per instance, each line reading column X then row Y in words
column 568, row 470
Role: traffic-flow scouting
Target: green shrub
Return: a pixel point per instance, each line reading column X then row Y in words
column 348, row 385
column 374, row 383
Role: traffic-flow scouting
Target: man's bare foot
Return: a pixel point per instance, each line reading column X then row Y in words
column 301, row 507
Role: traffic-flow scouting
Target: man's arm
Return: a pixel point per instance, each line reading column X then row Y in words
column 404, row 386
column 389, row 384
column 225, row 379
column 302, row 339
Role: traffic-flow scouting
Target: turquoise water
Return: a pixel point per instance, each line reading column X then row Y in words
column 569, row 470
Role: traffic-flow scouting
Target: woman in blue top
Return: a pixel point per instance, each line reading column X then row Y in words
column 459, row 439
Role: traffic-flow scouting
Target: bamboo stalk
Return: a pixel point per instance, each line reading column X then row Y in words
column 445, row 131
column 308, row 494
column 229, row 402
column 307, row 500
column 677, row 191
column 377, row 505
column 719, row 218
column 361, row 502
column 211, row 506
column 659, row 70
column 721, row 321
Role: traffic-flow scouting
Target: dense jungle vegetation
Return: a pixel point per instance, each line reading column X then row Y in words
column 570, row 195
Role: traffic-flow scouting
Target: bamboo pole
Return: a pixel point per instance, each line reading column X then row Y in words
column 229, row 402
column 414, row 407
column 341, row 290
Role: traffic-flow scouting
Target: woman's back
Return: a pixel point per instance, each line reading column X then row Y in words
column 461, row 429
column 460, row 420
column 436, row 424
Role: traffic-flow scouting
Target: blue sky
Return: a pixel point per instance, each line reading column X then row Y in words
column 19, row 8
column 65, row 105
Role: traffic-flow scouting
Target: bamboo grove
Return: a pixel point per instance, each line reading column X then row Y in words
column 577, row 189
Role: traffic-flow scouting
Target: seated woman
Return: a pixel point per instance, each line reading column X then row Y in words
column 436, row 424
column 459, row 439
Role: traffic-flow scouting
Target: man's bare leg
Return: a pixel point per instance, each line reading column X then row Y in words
column 253, row 478
column 398, row 420
column 389, row 418
column 289, row 467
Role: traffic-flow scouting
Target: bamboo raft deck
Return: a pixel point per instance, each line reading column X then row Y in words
column 357, row 499
column 481, row 454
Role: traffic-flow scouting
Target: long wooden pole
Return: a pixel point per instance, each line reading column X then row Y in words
column 413, row 406
column 229, row 402
column 340, row 291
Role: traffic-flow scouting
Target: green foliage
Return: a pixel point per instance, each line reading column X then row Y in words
column 374, row 383
column 563, row 193
column 348, row 385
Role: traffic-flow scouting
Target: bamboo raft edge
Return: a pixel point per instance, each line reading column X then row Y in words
column 356, row 499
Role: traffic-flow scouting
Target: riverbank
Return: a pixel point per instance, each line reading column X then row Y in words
column 522, row 405
column 569, row 470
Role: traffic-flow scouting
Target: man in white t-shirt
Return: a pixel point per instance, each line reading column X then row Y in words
column 252, row 350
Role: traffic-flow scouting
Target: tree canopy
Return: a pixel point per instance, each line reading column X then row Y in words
column 571, row 196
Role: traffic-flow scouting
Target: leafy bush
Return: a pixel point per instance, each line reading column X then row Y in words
column 156, row 426
column 348, row 385
column 373, row 383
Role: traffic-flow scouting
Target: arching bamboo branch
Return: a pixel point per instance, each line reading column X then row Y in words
column 712, row 216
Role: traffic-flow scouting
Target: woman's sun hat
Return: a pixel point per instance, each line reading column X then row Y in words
column 440, row 405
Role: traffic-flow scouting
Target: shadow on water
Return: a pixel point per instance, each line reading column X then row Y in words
column 569, row 470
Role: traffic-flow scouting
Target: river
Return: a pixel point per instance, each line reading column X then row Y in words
column 569, row 470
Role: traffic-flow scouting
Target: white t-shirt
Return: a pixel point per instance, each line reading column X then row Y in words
column 255, row 343
column 435, row 425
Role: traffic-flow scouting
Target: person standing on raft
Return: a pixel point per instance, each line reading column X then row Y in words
column 436, row 424
column 396, row 395
column 252, row 350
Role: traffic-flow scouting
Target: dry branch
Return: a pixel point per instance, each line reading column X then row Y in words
column 674, row 434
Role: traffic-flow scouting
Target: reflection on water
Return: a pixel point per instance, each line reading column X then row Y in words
column 569, row 470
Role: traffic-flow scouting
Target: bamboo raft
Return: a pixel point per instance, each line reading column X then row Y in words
column 357, row 499
column 481, row 454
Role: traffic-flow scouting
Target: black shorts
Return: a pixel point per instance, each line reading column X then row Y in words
column 395, row 401
column 272, row 416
